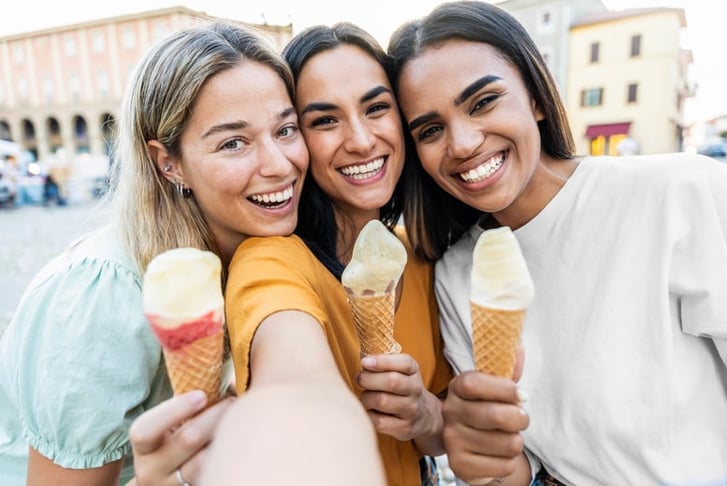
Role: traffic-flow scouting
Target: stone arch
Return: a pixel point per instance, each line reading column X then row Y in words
column 55, row 135
column 80, row 135
column 29, row 141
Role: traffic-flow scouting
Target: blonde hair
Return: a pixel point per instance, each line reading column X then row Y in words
column 149, row 216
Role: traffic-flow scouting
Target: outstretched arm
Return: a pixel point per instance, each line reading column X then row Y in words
column 296, row 414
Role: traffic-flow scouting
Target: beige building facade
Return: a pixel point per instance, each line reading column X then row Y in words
column 61, row 88
column 627, row 81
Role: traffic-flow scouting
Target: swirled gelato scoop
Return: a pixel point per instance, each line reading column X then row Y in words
column 370, row 280
column 183, row 302
column 501, row 289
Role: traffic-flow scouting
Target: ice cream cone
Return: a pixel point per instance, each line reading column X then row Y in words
column 197, row 366
column 370, row 280
column 184, row 305
column 373, row 316
column 495, row 338
column 500, row 292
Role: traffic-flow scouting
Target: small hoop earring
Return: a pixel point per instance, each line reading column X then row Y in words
column 183, row 190
column 167, row 168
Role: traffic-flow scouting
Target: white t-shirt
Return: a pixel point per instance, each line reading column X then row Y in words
column 626, row 340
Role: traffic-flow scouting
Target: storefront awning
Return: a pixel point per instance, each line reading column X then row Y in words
column 608, row 129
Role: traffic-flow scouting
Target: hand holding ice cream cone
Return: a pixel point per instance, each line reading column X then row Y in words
column 185, row 308
column 370, row 280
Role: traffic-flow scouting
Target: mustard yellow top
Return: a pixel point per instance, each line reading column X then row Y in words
column 273, row 274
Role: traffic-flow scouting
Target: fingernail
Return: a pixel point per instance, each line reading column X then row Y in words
column 368, row 362
column 522, row 395
column 197, row 398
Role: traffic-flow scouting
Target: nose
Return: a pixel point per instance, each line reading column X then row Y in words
column 464, row 139
column 274, row 161
column 359, row 138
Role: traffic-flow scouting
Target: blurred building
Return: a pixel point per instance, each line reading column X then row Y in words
column 622, row 74
column 549, row 22
column 628, row 80
column 60, row 88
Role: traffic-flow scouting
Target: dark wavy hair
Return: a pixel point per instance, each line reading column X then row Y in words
column 434, row 219
column 316, row 221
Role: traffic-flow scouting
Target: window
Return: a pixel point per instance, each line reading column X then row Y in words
column 69, row 45
column 18, row 53
column 48, row 89
column 545, row 22
column 592, row 97
column 633, row 93
column 99, row 42
column 74, row 85
column 129, row 38
column 595, row 47
column 102, row 82
column 636, row 45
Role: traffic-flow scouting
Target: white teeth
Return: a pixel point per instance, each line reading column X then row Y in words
column 273, row 198
column 363, row 171
column 483, row 171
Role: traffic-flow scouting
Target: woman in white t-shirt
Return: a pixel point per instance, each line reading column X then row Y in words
column 626, row 340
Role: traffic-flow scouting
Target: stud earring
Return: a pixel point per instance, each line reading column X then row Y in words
column 167, row 168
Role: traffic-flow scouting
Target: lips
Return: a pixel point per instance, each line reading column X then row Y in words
column 484, row 170
column 272, row 200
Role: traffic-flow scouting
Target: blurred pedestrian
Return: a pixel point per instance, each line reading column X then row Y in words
column 626, row 341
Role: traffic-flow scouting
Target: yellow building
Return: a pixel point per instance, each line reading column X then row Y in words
column 60, row 88
column 627, row 79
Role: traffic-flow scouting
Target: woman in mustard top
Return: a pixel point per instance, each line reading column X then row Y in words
column 284, row 297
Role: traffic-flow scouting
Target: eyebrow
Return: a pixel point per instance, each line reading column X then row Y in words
column 243, row 124
column 367, row 96
column 471, row 89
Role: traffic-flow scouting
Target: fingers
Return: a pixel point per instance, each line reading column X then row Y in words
column 398, row 362
column 148, row 431
column 164, row 450
column 473, row 385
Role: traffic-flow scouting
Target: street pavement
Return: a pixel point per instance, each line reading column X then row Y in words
column 30, row 236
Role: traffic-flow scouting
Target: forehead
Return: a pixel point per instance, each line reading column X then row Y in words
column 447, row 68
column 340, row 71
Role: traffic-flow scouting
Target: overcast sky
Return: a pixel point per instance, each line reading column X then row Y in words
column 704, row 34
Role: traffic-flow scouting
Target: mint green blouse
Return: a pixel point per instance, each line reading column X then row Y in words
column 78, row 362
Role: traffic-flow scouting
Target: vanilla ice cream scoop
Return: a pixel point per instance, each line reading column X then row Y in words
column 377, row 261
column 500, row 276
column 181, row 284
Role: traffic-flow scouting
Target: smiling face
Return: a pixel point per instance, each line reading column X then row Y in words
column 474, row 124
column 352, row 127
column 243, row 155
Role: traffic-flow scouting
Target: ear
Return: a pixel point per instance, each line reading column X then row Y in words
column 166, row 164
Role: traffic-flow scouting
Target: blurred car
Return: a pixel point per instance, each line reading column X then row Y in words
column 715, row 150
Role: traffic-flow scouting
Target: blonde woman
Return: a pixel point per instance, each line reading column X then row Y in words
column 209, row 152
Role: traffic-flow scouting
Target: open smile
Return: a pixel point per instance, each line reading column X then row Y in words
column 484, row 170
column 363, row 171
column 272, row 200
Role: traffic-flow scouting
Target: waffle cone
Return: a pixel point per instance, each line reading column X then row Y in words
column 495, row 338
column 197, row 366
column 373, row 316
